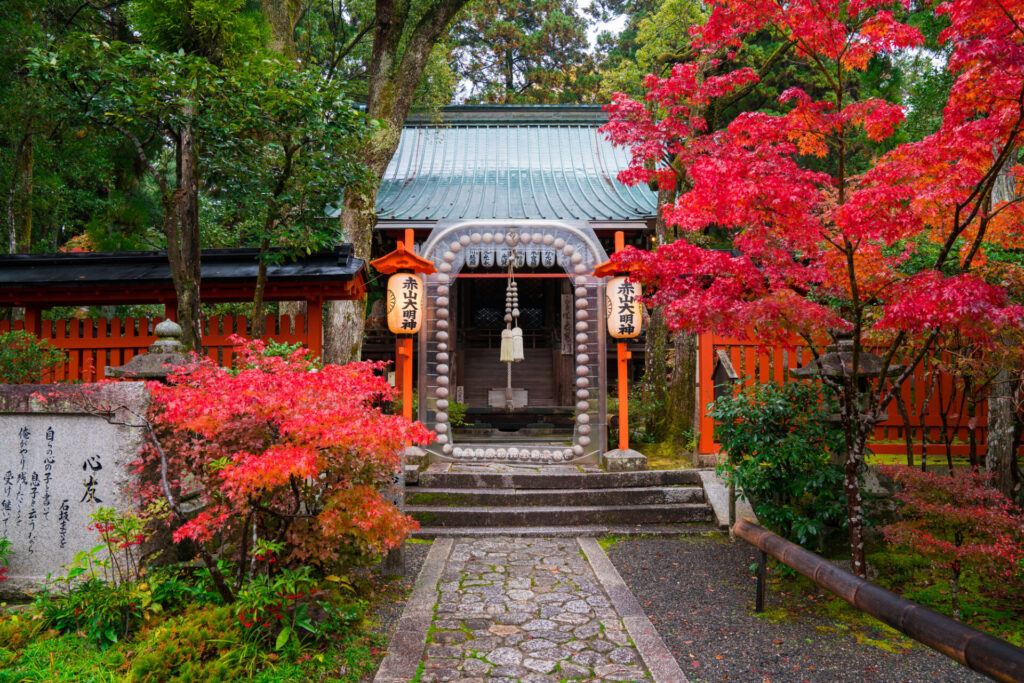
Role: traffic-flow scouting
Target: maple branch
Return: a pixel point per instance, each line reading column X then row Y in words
column 1009, row 15
column 907, row 371
column 1006, row 205
column 736, row 96
column 982, row 188
column 211, row 565
column 283, row 515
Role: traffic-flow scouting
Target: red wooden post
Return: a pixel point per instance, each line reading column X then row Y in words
column 34, row 321
column 315, row 326
column 623, row 356
column 404, row 359
column 403, row 349
column 608, row 269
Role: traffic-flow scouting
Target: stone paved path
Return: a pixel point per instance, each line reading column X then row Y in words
column 532, row 610
column 529, row 610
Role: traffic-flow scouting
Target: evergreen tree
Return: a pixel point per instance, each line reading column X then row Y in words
column 522, row 52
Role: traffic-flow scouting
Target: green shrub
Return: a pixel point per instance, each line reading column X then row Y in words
column 24, row 359
column 778, row 446
column 201, row 646
column 16, row 630
column 103, row 612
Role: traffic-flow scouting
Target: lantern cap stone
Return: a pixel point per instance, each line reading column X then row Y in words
column 164, row 354
column 837, row 361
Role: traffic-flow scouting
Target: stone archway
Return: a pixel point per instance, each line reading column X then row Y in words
column 575, row 248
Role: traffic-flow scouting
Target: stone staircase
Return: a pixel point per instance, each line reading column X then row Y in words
column 452, row 499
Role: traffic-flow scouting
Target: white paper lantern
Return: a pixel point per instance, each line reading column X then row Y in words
column 405, row 303
column 624, row 310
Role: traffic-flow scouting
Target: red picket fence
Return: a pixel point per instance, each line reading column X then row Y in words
column 763, row 365
column 92, row 344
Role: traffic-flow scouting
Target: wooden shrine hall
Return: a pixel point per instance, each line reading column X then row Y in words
column 515, row 207
column 40, row 281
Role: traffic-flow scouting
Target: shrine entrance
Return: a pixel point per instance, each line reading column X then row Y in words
column 549, row 404
column 543, row 390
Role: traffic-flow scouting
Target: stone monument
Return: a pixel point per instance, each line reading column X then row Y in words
column 65, row 451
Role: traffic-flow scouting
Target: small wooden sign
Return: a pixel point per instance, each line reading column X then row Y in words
column 567, row 326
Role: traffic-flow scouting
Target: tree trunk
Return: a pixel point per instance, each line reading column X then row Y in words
column 345, row 320
column 669, row 388
column 391, row 85
column 181, row 226
column 258, row 319
column 283, row 16
column 855, row 506
column 682, row 389
column 1001, row 444
column 19, row 207
column 654, row 385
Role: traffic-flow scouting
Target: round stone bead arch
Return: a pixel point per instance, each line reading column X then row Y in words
column 577, row 250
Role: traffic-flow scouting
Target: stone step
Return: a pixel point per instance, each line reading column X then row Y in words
column 492, row 516
column 595, row 530
column 649, row 495
column 558, row 478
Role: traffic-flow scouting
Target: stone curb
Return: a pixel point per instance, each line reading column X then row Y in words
column 653, row 651
column 717, row 496
column 405, row 651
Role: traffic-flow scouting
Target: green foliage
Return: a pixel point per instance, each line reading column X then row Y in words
column 283, row 608
column 778, row 447
column 279, row 146
column 175, row 588
column 103, row 613
column 199, row 646
column 457, row 414
column 5, row 555
column 523, row 52
column 122, row 534
column 24, row 359
column 103, row 597
column 646, row 45
column 222, row 31
column 17, row 630
column 646, row 409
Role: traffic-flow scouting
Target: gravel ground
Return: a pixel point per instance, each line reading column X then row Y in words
column 383, row 618
column 699, row 594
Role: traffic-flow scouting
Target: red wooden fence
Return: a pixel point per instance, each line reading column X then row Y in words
column 94, row 343
column 761, row 365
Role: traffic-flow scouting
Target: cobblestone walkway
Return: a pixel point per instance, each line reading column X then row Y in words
column 505, row 609
column 526, row 610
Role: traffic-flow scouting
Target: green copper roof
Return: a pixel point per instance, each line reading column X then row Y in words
column 510, row 162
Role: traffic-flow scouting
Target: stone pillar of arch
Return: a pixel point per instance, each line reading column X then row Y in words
column 572, row 246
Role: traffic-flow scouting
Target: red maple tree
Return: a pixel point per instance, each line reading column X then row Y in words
column 960, row 524
column 279, row 451
column 817, row 253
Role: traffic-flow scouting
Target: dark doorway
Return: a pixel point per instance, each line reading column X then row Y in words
column 480, row 372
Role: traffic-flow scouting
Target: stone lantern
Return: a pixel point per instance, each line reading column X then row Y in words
column 837, row 363
column 164, row 354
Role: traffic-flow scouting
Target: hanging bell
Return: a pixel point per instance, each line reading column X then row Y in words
column 517, row 344
column 507, row 346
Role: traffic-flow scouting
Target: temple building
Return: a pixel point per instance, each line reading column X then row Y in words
column 514, row 206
